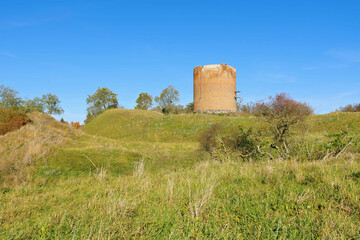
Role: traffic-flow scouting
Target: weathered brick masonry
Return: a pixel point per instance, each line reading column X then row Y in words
column 214, row 88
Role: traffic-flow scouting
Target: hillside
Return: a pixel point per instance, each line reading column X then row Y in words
column 26, row 147
column 138, row 125
column 140, row 174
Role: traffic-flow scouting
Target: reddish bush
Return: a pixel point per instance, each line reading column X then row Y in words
column 76, row 125
column 351, row 108
column 282, row 112
column 11, row 120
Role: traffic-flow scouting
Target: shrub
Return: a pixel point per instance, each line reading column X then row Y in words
column 282, row 112
column 11, row 120
column 189, row 108
column 242, row 142
column 239, row 143
column 351, row 108
column 76, row 125
column 208, row 138
column 339, row 142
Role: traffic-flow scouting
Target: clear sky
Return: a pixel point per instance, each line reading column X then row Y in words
column 309, row 49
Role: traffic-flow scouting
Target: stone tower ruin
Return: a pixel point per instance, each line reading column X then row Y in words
column 215, row 88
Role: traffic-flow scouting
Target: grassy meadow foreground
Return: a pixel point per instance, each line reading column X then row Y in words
column 140, row 174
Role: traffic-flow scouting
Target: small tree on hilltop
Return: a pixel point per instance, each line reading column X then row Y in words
column 51, row 104
column 144, row 101
column 34, row 105
column 282, row 112
column 189, row 107
column 9, row 98
column 100, row 101
column 168, row 99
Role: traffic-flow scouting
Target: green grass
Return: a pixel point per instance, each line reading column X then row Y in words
column 231, row 200
column 139, row 174
column 131, row 125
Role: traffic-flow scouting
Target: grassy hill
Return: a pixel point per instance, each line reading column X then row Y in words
column 139, row 125
column 140, row 174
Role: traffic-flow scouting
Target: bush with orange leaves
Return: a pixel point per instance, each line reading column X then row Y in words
column 76, row 125
column 11, row 120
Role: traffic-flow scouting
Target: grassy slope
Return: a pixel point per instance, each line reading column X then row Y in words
column 139, row 174
column 21, row 149
column 130, row 125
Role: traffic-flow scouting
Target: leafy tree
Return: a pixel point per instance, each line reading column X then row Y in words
column 248, row 107
column 50, row 104
column 189, row 107
column 100, row 101
column 144, row 101
column 34, row 105
column 9, row 98
column 168, row 99
column 282, row 112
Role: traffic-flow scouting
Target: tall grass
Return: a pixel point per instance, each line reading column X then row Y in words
column 20, row 149
column 274, row 199
column 137, row 174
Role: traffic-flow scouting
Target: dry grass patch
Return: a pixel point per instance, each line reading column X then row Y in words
column 21, row 148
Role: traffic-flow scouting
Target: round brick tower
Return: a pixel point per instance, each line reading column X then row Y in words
column 214, row 88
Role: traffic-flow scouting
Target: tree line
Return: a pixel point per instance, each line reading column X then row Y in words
column 104, row 98
column 47, row 103
column 167, row 102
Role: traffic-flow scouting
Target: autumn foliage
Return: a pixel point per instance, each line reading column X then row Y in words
column 351, row 108
column 11, row 120
column 76, row 125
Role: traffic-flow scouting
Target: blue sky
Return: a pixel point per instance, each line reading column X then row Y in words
column 309, row 49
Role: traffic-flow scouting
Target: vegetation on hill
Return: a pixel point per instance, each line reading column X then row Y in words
column 144, row 101
column 25, row 148
column 13, row 109
column 11, row 120
column 48, row 103
column 351, row 108
column 142, row 174
column 168, row 101
column 103, row 99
